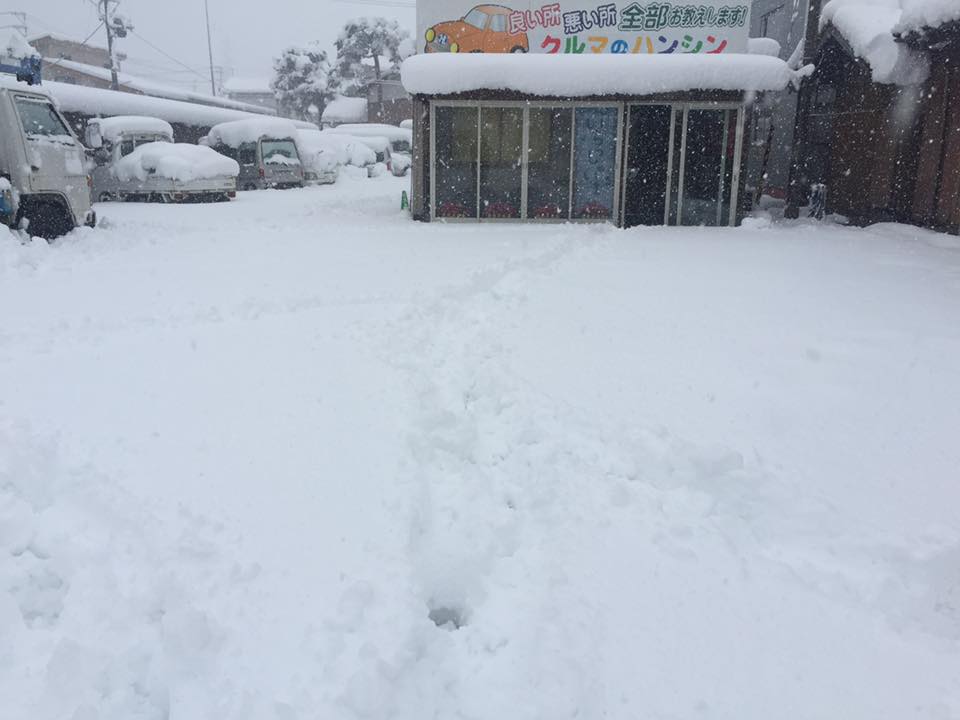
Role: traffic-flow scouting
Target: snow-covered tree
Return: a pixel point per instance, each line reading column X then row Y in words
column 363, row 47
column 301, row 81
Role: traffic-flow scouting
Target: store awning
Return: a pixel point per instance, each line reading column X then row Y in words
column 592, row 75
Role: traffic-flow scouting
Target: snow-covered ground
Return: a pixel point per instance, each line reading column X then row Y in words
column 247, row 451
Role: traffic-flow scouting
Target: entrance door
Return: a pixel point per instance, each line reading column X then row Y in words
column 648, row 152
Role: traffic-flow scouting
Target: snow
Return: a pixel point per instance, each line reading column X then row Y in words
column 868, row 27
column 112, row 128
column 656, row 473
column 345, row 109
column 319, row 152
column 17, row 46
column 248, row 85
column 177, row 161
column 919, row 15
column 585, row 75
column 351, row 151
column 238, row 132
column 763, row 46
column 407, row 124
column 393, row 133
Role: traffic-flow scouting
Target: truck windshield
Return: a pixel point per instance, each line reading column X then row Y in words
column 279, row 152
column 39, row 118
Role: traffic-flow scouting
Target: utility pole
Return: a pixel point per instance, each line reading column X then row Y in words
column 21, row 26
column 114, row 81
column 213, row 84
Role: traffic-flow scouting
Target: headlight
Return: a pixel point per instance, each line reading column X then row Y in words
column 431, row 35
column 454, row 48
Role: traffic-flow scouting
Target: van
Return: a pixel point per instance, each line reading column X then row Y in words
column 265, row 148
column 47, row 189
column 136, row 159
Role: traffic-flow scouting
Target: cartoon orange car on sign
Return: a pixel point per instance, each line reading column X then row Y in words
column 483, row 29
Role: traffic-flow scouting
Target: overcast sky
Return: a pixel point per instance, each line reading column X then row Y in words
column 246, row 33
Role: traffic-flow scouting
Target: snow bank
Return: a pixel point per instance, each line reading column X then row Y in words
column 177, row 161
column 868, row 27
column 236, row 133
column 585, row 75
column 920, row 14
column 112, row 128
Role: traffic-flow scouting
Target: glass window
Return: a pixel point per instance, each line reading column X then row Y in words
column 477, row 18
column 501, row 161
column 246, row 154
column 126, row 147
column 402, row 146
column 279, row 152
column 707, row 167
column 595, row 159
column 456, row 161
column 647, row 156
column 548, row 163
column 498, row 23
column 39, row 118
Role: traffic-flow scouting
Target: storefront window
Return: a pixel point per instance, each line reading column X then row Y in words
column 548, row 163
column 705, row 177
column 501, row 162
column 595, row 159
column 648, row 152
column 456, row 162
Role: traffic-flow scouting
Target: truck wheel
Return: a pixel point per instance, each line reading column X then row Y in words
column 47, row 219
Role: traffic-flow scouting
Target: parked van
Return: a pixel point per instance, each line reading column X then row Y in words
column 265, row 148
column 136, row 159
column 47, row 189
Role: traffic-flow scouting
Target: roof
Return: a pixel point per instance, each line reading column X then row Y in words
column 920, row 15
column 867, row 28
column 64, row 38
column 345, row 109
column 149, row 87
column 248, row 85
column 591, row 75
column 112, row 128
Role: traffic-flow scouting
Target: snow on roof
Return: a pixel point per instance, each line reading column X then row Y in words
column 247, row 85
column 763, row 46
column 148, row 87
column 18, row 47
column 584, row 75
column 345, row 109
column 918, row 15
column 63, row 38
column 112, row 128
column 176, row 161
column 868, row 27
column 391, row 132
column 95, row 102
column 236, row 133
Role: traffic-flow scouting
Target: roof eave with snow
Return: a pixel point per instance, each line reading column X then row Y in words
column 574, row 76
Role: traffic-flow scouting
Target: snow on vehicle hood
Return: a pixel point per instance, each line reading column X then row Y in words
column 177, row 161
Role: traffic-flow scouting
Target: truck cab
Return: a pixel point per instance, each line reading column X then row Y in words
column 43, row 164
column 266, row 150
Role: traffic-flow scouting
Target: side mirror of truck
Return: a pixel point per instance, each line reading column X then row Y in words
column 101, row 156
column 93, row 137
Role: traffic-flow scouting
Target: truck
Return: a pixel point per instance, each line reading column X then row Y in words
column 46, row 188
column 265, row 148
column 136, row 159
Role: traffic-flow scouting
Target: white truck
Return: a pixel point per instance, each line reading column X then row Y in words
column 136, row 160
column 44, row 186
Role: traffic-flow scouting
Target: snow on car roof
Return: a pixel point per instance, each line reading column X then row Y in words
column 391, row 132
column 239, row 132
column 586, row 75
column 113, row 127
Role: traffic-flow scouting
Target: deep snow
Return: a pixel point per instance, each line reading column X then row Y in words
column 248, row 449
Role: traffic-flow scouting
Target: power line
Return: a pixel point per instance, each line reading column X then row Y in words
column 55, row 63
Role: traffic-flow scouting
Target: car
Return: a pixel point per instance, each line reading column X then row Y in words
column 483, row 29
column 265, row 148
column 322, row 157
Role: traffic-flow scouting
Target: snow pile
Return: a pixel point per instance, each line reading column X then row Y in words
column 407, row 124
column 112, row 128
column 351, row 150
column 17, row 47
column 345, row 109
column 586, row 75
column 921, row 14
column 177, row 161
column 868, row 27
column 240, row 132
column 763, row 46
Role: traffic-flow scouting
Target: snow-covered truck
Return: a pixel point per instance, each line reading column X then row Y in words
column 136, row 159
column 44, row 186
column 265, row 148
column 322, row 157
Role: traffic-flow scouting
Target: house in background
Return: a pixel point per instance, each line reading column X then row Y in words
column 252, row 91
column 881, row 127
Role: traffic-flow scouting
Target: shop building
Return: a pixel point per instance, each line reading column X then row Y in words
column 632, row 139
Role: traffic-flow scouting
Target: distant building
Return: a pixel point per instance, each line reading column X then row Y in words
column 54, row 47
column 253, row 91
column 388, row 102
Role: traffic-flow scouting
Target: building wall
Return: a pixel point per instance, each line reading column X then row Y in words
column 773, row 118
column 53, row 48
